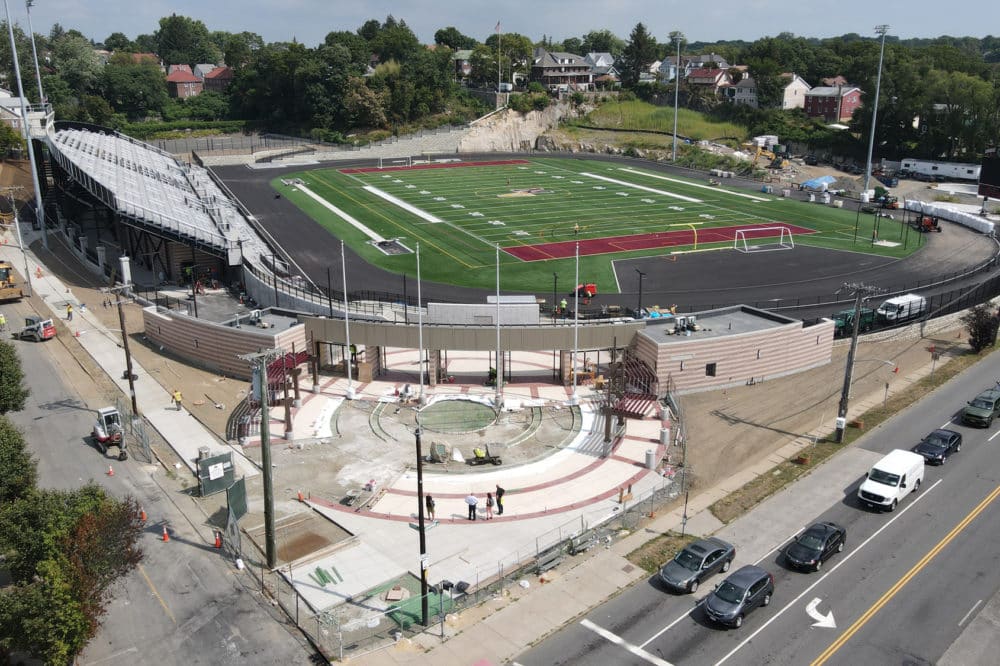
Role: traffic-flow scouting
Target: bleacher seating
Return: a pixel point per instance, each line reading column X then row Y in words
column 153, row 186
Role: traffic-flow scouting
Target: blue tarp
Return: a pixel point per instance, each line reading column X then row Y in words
column 819, row 183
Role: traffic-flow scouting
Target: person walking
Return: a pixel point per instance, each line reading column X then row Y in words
column 500, row 493
column 429, row 501
column 176, row 398
column 472, row 502
column 489, row 506
column 69, row 312
column 3, row 322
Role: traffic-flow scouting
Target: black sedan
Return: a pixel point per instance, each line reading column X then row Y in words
column 937, row 446
column 696, row 562
column 815, row 546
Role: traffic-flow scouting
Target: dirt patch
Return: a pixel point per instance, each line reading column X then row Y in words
column 654, row 553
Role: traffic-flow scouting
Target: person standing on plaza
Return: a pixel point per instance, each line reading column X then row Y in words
column 176, row 398
column 472, row 502
column 69, row 312
column 500, row 494
column 489, row 506
column 429, row 501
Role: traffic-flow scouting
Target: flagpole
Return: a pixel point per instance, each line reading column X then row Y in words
column 499, row 74
column 420, row 333
column 499, row 397
column 576, row 323
column 347, row 324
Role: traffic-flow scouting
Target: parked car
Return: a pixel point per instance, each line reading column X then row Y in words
column 983, row 409
column 696, row 562
column 739, row 594
column 937, row 446
column 815, row 546
column 810, row 160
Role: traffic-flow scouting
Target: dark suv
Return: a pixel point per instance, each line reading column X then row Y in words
column 739, row 594
column 983, row 409
column 696, row 562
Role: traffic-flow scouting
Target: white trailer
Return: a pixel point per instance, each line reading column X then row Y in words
column 949, row 170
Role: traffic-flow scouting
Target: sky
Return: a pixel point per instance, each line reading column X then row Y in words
column 308, row 21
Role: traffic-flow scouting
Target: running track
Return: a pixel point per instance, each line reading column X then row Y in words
column 661, row 239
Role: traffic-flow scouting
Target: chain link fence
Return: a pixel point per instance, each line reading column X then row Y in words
column 135, row 431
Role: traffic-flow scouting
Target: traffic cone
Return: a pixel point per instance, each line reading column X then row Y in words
column 142, row 514
column 111, row 470
column 218, row 540
column 166, row 537
column 301, row 498
column 76, row 334
column 38, row 271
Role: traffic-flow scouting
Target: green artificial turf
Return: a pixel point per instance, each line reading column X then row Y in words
column 551, row 200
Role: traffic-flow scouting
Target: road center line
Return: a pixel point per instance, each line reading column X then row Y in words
column 917, row 568
column 618, row 640
column 971, row 611
column 829, row 572
column 156, row 594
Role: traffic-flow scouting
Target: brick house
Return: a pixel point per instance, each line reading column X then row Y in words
column 182, row 83
column 218, row 79
column 833, row 104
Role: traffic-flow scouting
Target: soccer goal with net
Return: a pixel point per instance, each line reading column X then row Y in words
column 384, row 162
column 763, row 239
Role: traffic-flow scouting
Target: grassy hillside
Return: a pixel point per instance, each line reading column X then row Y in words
column 637, row 115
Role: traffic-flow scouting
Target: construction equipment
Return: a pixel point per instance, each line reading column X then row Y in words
column 37, row 329
column 481, row 457
column 927, row 224
column 585, row 290
column 9, row 290
column 108, row 431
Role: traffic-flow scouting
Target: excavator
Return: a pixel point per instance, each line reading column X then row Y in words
column 9, row 289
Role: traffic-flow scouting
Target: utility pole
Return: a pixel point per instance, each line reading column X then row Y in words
column 118, row 291
column 638, row 310
column 420, row 529
column 17, row 230
column 861, row 292
column 258, row 363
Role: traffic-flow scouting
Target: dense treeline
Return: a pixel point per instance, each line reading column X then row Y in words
column 940, row 97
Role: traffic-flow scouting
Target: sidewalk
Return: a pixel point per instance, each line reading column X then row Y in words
column 184, row 433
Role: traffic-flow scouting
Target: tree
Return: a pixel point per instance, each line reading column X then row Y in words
column 184, row 41
column 453, row 39
column 75, row 62
column 394, row 41
column 639, row 54
column 117, row 41
column 981, row 323
column 18, row 471
column 603, row 41
column 238, row 49
column 13, row 392
column 134, row 89
column 9, row 140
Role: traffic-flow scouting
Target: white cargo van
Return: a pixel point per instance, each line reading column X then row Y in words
column 901, row 308
column 891, row 478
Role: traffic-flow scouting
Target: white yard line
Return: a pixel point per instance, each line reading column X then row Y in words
column 624, row 183
column 342, row 215
column 690, row 184
column 422, row 214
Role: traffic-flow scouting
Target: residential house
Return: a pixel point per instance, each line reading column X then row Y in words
column 715, row 80
column 218, row 79
column 833, row 104
column 604, row 72
column 793, row 95
column 462, row 59
column 202, row 69
column 743, row 92
column 10, row 110
column 833, row 81
column 707, row 61
column 557, row 70
column 182, row 83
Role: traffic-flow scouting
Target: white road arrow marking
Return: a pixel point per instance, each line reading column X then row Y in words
column 821, row 620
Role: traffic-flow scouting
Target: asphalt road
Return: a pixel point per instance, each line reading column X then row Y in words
column 903, row 590
column 185, row 604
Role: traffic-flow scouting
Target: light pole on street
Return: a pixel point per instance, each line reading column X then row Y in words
column 678, row 37
column 638, row 310
column 880, row 29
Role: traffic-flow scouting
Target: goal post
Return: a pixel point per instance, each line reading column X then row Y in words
column 763, row 239
column 385, row 162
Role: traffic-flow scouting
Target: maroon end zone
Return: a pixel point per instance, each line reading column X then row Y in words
column 613, row 244
column 444, row 165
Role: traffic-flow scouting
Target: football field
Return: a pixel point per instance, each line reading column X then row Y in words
column 538, row 211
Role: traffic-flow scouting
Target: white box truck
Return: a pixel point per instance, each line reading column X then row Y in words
column 901, row 308
column 891, row 479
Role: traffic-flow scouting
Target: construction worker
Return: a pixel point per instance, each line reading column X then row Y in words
column 69, row 312
column 176, row 398
column 3, row 322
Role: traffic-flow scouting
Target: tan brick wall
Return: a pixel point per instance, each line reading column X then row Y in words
column 214, row 346
column 738, row 359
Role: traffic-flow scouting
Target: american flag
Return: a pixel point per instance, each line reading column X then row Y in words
column 498, row 28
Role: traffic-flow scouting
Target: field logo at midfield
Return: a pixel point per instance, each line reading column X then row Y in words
column 525, row 192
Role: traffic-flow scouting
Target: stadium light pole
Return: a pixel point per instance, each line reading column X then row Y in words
column 28, row 4
column 555, row 288
column 347, row 325
column 26, row 130
column 881, row 30
column 677, row 36
column 574, row 399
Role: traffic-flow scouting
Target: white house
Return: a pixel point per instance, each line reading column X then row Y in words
column 743, row 92
column 793, row 95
